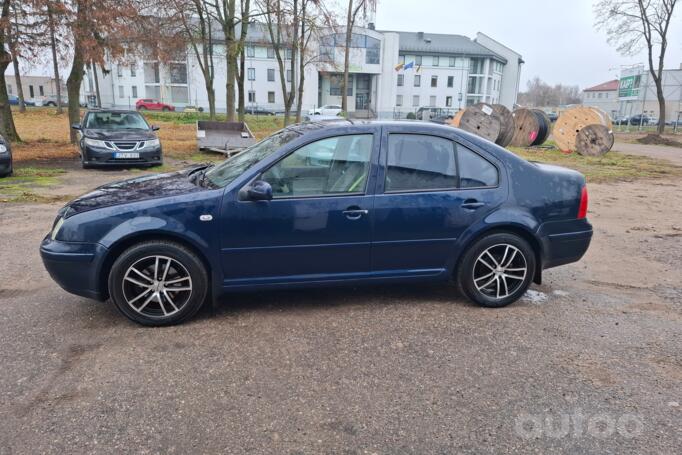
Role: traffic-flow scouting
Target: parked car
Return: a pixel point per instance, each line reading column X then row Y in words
column 149, row 104
column 652, row 121
column 114, row 138
column 51, row 100
column 639, row 119
column 434, row 112
column 316, row 204
column 14, row 100
column 553, row 116
column 674, row 123
column 257, row 110
column 621, row 120
column 5, row 158
column 328, row 109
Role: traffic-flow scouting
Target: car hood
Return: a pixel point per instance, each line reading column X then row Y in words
column 134, row 190
column 120, row 135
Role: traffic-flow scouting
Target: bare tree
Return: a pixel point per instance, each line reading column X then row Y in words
column 540, row 94
column 635, row 24
column 7, row 127
column 354, row 8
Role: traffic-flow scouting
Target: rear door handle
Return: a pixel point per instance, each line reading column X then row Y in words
column 355, row 214
column 472, row 204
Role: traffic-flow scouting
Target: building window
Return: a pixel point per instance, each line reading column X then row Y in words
column 401, row 80
column 151, row 74
column 417, row 80
column 271, row 75
column 134, row 91
column 418, row 60
column 9, row 88
column 399, row 100
column 451, row 81
column 452, row 61
column 250, row 51
column 476, row 66
column 415, row 100
column 401, row 59
column 271, row 97
column 436, row 60
column 271, row 52
column 432, row 101
column 121, row 91
column 335, row 85
column 178, row 73
column 289, row 75
column 434, row 81
column 119, row 70
column 133, row 70
column 251, row 73
column 252, row 96
column 448, row 101
column 599, row 95
column 31, row 93
column 607, row 93
column 41, row 90
column 373, row 50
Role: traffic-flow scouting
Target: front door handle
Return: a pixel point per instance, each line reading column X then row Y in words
column 472, row 204
column 355, row 214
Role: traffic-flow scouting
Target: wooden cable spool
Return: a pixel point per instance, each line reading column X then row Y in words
column 545, row 126
column 594, row 140
column 481, row 120
column 506, row 125
column 457, row 118
column 526, row 128
column 572, row 121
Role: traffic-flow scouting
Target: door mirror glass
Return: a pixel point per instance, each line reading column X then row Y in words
column 259, row 190
column 155, row 128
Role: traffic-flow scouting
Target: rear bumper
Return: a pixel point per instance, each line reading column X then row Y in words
column 564, row 242
column 74, row 266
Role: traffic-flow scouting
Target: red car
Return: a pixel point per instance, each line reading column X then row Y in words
column 148, row 104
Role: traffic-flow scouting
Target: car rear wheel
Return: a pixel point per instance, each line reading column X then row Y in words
column 141, row 108
column 166, row 109
column 158, row 283
column 497, row 270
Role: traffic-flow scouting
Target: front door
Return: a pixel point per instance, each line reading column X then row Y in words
column 425, row 201
column 316, row 227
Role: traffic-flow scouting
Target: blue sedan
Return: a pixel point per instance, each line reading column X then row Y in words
column 321, row 204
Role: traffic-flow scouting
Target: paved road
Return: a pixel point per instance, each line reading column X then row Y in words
column 672, row 154
column 400, row 370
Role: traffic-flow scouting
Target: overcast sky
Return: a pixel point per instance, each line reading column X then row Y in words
column 556, row 38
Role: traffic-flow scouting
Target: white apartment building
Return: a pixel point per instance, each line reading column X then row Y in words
column 603, row 96
column 450, row 71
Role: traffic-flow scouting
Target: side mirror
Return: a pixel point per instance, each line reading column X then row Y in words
column 155, row 128
column 259, row 190
column 76, row 126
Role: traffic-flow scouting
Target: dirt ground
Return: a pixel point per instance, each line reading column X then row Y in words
column 386, row 370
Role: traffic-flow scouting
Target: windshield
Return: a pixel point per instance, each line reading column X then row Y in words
column 116, row 121
column 224, row 173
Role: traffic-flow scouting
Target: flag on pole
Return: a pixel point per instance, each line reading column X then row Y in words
column 408, row 66
column 419, row 67
column 399, row 66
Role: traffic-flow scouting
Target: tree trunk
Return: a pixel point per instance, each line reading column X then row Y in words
column 20, row 89
column 346, row 58
column 240, row 87
column 661, row 107
column 7, row 127
column 73, row 87
column 94, row 72
column 301, row 62
column 211, row 100
column 55, row 63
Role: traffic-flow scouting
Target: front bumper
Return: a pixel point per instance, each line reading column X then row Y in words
column 75, row 266
column 94, row 156
column 564, row 242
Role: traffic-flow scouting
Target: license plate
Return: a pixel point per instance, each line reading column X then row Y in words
column 126, row 155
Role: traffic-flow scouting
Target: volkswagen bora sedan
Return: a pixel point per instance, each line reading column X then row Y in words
column 322, row 204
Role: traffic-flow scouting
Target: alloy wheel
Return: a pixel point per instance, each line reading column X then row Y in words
column 500, row 271
column 157, row 286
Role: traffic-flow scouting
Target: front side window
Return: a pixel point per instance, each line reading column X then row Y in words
column 331, row 166
column 474, row 170
column 417, row 162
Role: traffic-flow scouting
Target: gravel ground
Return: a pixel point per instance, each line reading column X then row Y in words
column 589, row 362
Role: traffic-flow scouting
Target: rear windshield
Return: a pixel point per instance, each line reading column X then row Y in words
column 116, row 121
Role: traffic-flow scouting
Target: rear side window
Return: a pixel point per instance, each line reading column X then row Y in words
column 474, row 170
column 418, row 162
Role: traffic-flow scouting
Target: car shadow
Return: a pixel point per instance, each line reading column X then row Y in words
column 315, row 299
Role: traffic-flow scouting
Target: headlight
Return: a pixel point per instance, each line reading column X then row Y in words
column 56, row 228
column 152, row 143
column 3, row 149
column 96, row 143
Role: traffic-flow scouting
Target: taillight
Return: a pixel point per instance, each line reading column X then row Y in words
column 582, row 210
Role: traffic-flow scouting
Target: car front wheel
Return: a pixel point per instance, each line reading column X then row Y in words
column 158, row 283
column 497, row 270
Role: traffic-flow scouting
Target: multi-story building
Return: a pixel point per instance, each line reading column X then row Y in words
column 604, row 96
column 391, row 74
column 34, row 86
column 637, row 93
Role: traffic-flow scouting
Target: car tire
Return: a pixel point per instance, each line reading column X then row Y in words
column 157, row 304
column 141, row 108
column 166, row 109
column 496, row 270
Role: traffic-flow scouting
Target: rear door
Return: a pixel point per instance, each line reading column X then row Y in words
column 425, row 200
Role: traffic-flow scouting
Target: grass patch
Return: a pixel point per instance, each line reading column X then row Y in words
column 614, row 166
column 22, row 185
